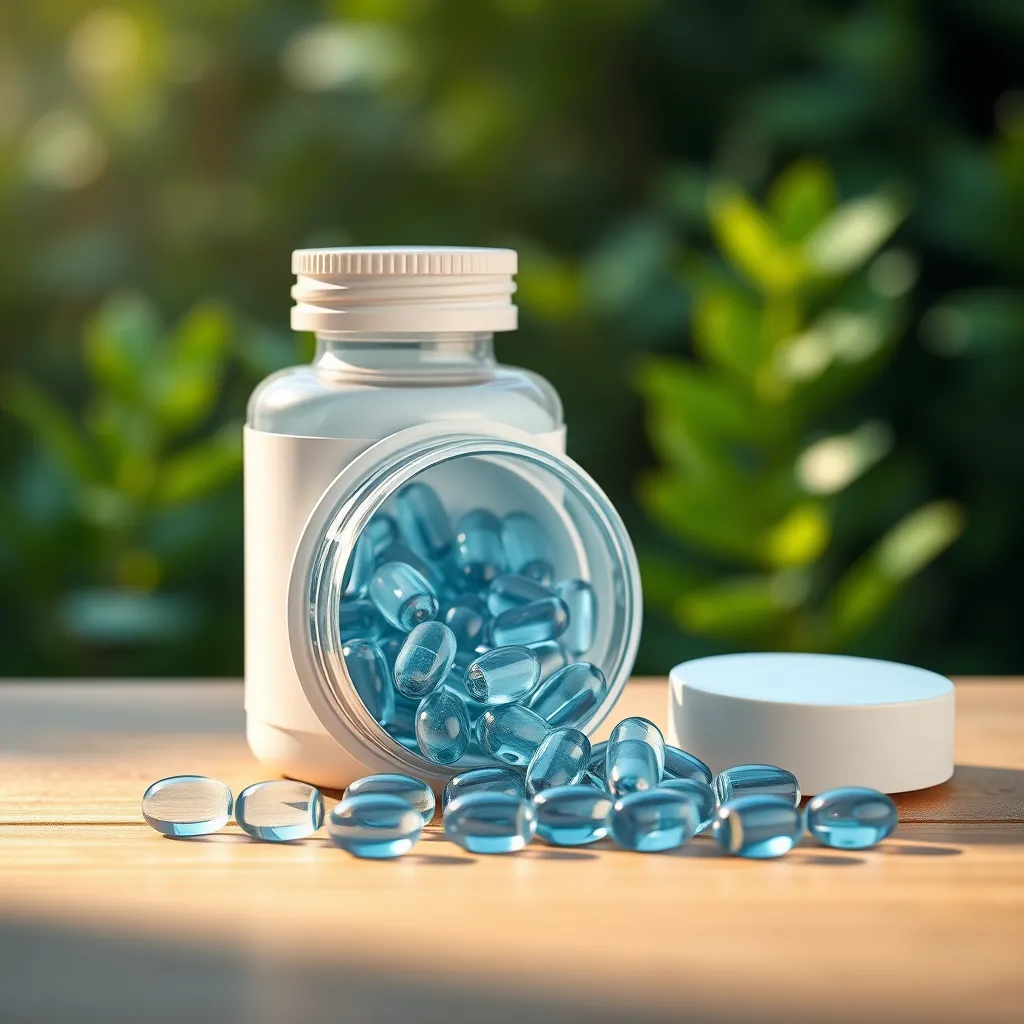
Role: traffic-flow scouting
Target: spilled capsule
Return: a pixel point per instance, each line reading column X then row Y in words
column 761, row 779
column 187, row 805
column 442, row 726
column 412, row 790
column 681, row 765
column 559, row 760
column 279, row 811
column 634, row 757
column 851, row 818
column 651, row 820
column 375, row 825
column 757, row 826
column 483, row 822
column 511, row 733
column 572, row 815
column 700, row 793
column 490, row 779
column 571, row 695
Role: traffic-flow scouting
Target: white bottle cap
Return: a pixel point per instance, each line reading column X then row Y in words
column 404, row 289
column 829, row 719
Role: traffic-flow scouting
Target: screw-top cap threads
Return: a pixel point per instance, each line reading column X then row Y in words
column 403, row 289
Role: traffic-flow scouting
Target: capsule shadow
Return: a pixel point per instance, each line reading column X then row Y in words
column 917, row 850
column 552, row 853
column 213, row 837
column 830, row 860
column 435, row 859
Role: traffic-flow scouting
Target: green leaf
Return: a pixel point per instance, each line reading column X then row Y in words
column 801, row 198
column 874, row 582
column 800, row 538
column 202, row 468
column 749, row 607
column 750, row 243
column 727, row 330
column 853, row 234
column 121, row 345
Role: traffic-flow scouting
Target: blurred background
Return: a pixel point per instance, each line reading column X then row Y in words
column 772, row 257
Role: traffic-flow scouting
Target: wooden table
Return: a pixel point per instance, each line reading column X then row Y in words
column 101, row 919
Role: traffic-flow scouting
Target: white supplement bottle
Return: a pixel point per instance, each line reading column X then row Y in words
column 403, row 387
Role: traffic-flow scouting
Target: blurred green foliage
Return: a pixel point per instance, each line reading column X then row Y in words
column 829, row 376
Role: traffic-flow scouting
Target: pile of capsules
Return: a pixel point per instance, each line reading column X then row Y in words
column 458, row 639
column 646, row 795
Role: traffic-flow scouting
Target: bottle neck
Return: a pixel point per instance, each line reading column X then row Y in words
column 449, row 357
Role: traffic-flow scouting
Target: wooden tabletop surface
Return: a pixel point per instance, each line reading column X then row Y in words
column 102, row 919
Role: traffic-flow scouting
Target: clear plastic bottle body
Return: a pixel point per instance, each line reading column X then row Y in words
column 370, row 386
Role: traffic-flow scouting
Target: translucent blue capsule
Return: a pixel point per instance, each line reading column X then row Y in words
column 503, row 675
column 526, row 547
column 552, row 656
column 479, row 555
column 467, row 618
column 571, row 695
column 359, row 569
column 382, row 531
column 651, row 820
column 187, row 805
column 530, row 623
column 402, row 595
column 594, row 780
column 375, row 825
column 596, row 765
column 403, row 553
column 358, row 620
column 702, row 795
column 279, row 811
column 578, row 596
column 425, row 659
column 560, row 760
column 483, row 822
column 511, row 733
column 681, row 765
column 851, row 818
column 485, row 780
column 757, row 826
column 572, row 815
column 368, row 669
column 635, row 756
column 390, row 644
column 442, row 726
column 423, row 521
column 509, row 591
column 401, row 723
column 760, row 779
column 413, row 791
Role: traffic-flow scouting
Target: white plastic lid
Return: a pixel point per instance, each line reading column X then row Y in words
column 404, row 289
column 832, row 720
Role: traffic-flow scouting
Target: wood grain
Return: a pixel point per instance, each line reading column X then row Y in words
column 102, row 919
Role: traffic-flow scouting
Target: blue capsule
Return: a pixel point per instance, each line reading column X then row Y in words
column 425, row 659
column 578, row 596
column 597, row 759
column 594, row 780
column 413, row 791
column 652, row 820
column 509, row 591
column 511, row 733
column 552, row 656
column 467, row 618
column 359, row 568
column 403, row 553
column 423, row 521
column 279, row 811
column 760, row 779
column 382, row 531
column 484, row 822
column 757, row 826
column 358, row 620
column 503, row 675
column 572, row 815
column 485, row 780
column 526, row 547
column 402, row 595
column 681, row 765
column 530, row 623
column 479, row 555
column 401, row 723
column 559, row 760
column 702, row 795
column 368, row 669
column 375, row 825
column 635, row 756
column 442, row 726
column 571, row 695
column 187, row 805
column 851, row 818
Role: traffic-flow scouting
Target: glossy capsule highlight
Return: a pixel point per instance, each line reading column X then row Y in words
column 368, row 669
column 578, row 596
column 757, row 826
column 652, row 820
column 526, row 547
column 634, row 757
column 483, row 822
column 413, row 791
column 187, row 805
column 376, row 826
column 572, row 815
column 511, row 733
column 530, row 623
column 851, row 818
column 702, row 795
column 503, row 675
column 423, row 521
column 681, row 765
column 759, row 779
column 279, row 811
column 560, row 760
column 571, row 695
column 479, row 555
column 425, row 659
column 402, row 595
column 509, row 591
column 442, row 726
column 490, row 779
column 551, row 655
